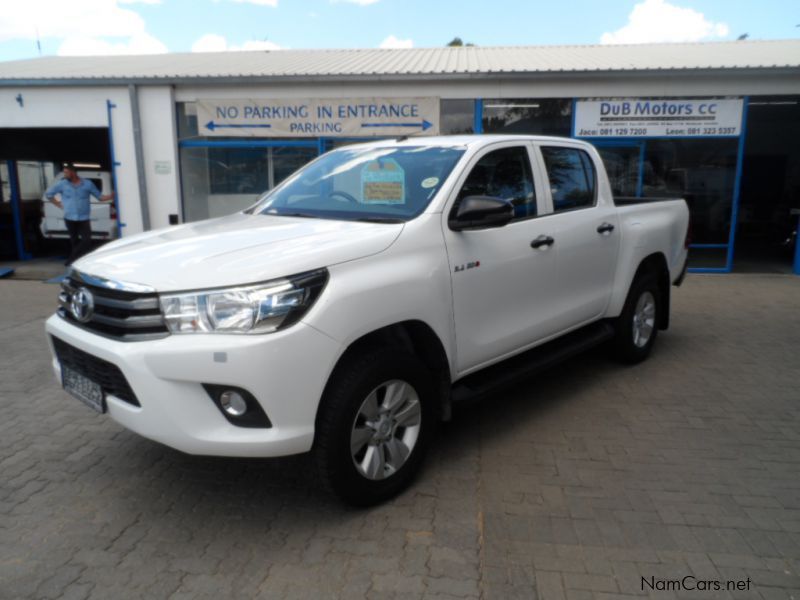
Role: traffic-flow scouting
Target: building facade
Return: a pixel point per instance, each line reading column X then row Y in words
column 194, row 136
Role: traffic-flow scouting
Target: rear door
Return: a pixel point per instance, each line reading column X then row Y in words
column 587, row 233
column 504, row 294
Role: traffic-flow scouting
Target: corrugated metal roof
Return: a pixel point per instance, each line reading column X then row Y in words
column 408, row 63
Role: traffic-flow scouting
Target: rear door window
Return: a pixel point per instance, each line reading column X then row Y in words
column 572, row 177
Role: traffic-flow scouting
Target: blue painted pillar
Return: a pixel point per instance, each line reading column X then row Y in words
column 797, row 244
column 16, row 209
column 477, row 119
column 737, row 186
column 640, row 175
column 114, row 164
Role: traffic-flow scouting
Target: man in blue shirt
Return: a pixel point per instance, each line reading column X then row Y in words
column 74, row 195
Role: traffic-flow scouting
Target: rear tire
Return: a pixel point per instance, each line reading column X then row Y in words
column 637, row 327
column 374, row 425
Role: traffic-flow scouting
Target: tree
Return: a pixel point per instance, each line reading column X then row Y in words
column 457, row 42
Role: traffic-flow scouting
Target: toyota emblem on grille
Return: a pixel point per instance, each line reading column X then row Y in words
column 82, row 305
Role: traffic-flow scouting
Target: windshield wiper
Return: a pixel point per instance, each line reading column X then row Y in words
column 292, row 214
column 380, row 220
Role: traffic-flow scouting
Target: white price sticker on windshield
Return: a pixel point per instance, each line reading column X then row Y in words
column 429, row 182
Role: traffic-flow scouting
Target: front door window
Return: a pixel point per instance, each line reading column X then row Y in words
column 504, row 174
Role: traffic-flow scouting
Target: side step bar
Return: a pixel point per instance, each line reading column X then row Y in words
column 532, row 361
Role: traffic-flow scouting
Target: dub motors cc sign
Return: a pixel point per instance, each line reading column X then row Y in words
column 642, row 117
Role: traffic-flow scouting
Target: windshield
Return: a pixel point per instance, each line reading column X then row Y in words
column 389, row 184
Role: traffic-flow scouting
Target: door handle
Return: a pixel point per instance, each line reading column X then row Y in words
column 542, row 240
column 605, row 228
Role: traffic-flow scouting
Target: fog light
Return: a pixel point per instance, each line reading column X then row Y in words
column 233, row 403
column 237, row 405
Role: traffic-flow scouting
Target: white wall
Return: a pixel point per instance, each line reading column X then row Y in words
column 157, row 114
column 58, row 107
column 83, row 107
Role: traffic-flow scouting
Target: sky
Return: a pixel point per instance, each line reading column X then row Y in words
column 100, row 27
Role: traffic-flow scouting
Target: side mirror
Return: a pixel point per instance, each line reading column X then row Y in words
column 481, row 212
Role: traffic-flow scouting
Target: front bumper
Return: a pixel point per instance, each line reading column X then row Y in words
column 285, row 371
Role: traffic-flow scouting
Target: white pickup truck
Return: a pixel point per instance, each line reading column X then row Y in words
column 346, row 310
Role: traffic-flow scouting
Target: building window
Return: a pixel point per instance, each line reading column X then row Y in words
column 223, row 176
column 701, row 171
column 539, row 116
column 222, row 181
column 622, row 164
column 187, row 120
column 456, row 116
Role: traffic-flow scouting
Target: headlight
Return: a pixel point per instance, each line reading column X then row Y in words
column 261, row 308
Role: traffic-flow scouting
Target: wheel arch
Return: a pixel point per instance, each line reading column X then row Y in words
column 656, row 264
column 415, row 337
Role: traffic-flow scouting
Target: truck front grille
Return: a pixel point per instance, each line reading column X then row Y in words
column 122, row 315
column 107, row 375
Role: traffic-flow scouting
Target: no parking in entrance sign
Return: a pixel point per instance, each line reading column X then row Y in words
column 322, row 117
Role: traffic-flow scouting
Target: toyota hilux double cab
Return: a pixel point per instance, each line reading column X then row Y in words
column 346, row 310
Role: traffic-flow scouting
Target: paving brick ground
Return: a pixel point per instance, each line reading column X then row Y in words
column 572, row 487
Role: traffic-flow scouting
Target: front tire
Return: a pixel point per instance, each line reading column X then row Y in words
column 637, row 326
column 374, row 424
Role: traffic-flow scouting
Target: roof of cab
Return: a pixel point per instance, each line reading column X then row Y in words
column 461, row 140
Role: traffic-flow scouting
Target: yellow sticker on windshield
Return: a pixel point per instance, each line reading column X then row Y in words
column 383, row 181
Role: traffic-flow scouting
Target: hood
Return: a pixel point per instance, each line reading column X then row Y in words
column 235, row 250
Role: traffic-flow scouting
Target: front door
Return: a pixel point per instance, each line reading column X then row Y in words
column 503, row 288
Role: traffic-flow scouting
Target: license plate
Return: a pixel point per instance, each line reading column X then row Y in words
column 83, row 388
